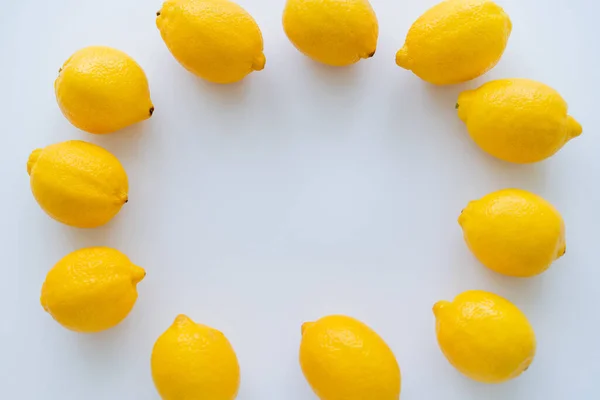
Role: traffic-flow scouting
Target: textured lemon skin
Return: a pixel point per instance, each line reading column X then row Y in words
column 78, row 183
column 344, row 359
column 214, row 39
column 517, row 120
column 91, row 289
column 333, row 32
column 484, row 336
column 514, row 232
column 194, row 362
column 101, row 90
column 455, row 41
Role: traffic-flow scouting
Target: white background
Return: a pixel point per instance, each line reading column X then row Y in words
column 300, row 192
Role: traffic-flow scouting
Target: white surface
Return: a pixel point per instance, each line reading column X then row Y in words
column 301, row 192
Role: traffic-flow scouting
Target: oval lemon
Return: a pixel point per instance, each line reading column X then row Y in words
column 78, row 183
column 92, row 289
column 333, row 32
column 214, row 39
column 517, row 120
column 484, row 336
column 514, row 232
column 101, row 90
column 193, row 361
column 342, row 358
column 455, row 41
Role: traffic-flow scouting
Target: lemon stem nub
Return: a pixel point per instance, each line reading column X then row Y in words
column 305, row 326
column 439, row 306
column 151, row 110
column 574, row 127
column 137, row 274
column 259, row 63
column 402, row 59
column 182, row 320
column 35, row 155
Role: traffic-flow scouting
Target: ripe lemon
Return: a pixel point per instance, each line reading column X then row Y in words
column 344, row 359
column 514, row 232
column 333, row 32
column 484, row 336
column 214, row 39
column 455, row 41
column 101, row 90
column 92, row 289
column 194, row 362
column 517, row 120
column 78, row 183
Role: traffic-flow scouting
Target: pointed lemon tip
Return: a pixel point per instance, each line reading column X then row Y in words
column 402, row 58
column 561, row 251
column 159, row 20
column 33, row 157
column 369, row 54
column 43, row 302
column 463, row 103
column 259, row 62
column 182, row 320
column 305, row 326
column 122, row 199
column 439, row 306
column 574, row 127
column 137, row 274
column 461, row 218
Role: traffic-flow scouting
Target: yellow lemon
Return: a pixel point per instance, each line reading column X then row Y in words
column 92, row 289
column 514, row 232
column 194, row 362
column 455, row 41
column 344, row 359
column 78, row 183
column 214, row 39
column 517, row 120
column 333, row 32
column 484, row 336
column 101, row 90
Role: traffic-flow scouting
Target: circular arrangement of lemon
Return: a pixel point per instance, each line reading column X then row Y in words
column 92, row 289
column 455, row 41
column 342, row 358
column 517, row 120
column 193, row 361
column 333, row 32
column 484, row 336
column 78, row 183
column 101, row 90
column 513, row 232
column 215, row 39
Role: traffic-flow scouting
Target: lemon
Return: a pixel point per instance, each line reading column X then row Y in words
column 344, row 359
column 101, row 90
column 78, row 183
column 333, row 32
column 455, row 41
column 214, row 39
column 517, row 120
column 514, row 232
column 92, row 289
column 484, row 336
column 194, row 362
